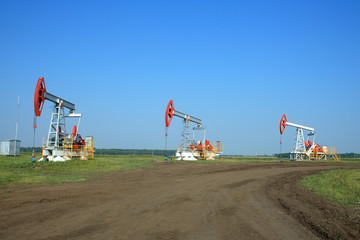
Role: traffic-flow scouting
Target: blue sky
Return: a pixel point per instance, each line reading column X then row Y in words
column 237, row 65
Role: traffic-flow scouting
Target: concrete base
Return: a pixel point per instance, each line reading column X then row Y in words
column 187, row 156
column 54, row 159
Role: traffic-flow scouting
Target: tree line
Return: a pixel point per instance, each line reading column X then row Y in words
column 115, row 151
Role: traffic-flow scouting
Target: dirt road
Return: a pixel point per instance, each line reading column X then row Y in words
column 181, row 201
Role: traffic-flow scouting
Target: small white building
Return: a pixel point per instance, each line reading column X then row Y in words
column 10, row 147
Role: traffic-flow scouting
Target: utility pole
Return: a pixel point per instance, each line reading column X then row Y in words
column 17, row 123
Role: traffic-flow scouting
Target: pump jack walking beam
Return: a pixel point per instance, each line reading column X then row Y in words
column 170, row 112
column 41, row 95
column 284, row 123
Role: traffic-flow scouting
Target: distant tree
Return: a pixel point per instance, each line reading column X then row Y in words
column 282, row 155
column 29, row 149
column 156, row 152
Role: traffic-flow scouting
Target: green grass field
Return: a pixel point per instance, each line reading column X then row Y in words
column 21, row 171
column 341, row 186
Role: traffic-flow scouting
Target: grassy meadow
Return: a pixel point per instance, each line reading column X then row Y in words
column 20, row 170
column 341, row 186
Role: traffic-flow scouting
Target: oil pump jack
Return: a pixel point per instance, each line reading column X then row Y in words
column 306, row 150
column 191, row 149
column 60, row 146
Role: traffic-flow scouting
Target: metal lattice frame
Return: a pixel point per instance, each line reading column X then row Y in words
column 185, row 134
column 57, row 129
column 299, row 147
column 299, row 151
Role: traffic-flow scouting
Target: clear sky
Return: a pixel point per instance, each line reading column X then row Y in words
column 236, row 65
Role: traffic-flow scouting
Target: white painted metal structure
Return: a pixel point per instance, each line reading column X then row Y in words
column 299, row 150
column 191, row 149
column 185, row 133
column 53, row 150
column 10, row 147
column 306, row 150
column 57, row 129
column 183, row 152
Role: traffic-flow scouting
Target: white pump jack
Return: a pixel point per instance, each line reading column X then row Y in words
column 190, row 149
column 301, row 148
column 306, row 150
column 53, row 146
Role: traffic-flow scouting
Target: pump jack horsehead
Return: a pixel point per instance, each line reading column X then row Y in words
column 60, row 146
column 191, row 149
column 306, row 150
